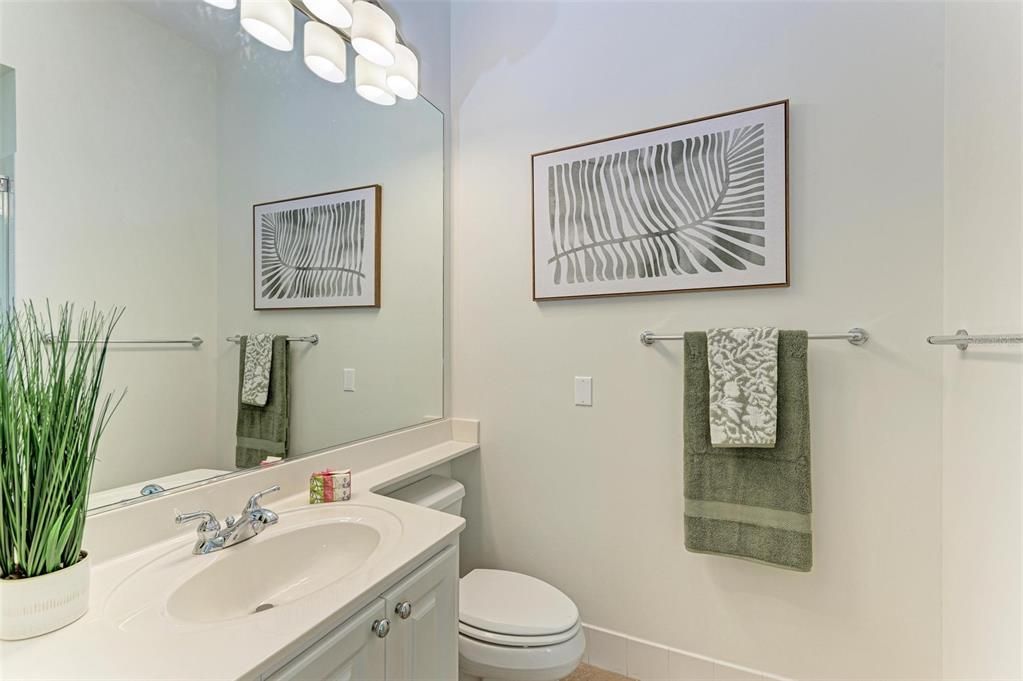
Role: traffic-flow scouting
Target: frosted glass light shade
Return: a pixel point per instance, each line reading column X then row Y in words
column 373, row 33
column 325, row 53
column 223, row 4
column 371, row 82
column 271, row 22
column 403, row 74
column 334, row 12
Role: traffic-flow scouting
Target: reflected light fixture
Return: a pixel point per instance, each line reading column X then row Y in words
column 337, row 13
column 371, row 82
column 223, row 4
column 374, row 35
column 403, row 74
column 271, row 22
column 325, row 52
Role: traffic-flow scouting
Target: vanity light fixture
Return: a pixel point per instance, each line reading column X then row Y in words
column 403, row 75
column 271, row 22
column 325, row 52
column 385, row 68
column 374, row 35
column 371, row 82
column 337, row 13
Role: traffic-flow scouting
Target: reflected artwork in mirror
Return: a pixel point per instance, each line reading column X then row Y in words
column 159, row 150
column 317, row 251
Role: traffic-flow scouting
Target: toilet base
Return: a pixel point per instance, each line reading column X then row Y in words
column 478, row 661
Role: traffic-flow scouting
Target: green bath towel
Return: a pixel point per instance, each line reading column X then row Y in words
column 263, row 431
column 750, row 502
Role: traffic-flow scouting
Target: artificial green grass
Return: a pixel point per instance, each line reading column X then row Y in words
column 52, row 414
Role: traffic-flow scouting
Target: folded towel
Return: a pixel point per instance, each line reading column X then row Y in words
column 263, row 431
column 743, row 386
column 754, row 502
column 257, row 354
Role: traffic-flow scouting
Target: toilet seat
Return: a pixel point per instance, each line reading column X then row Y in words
column 497, row 639
column 497, row 605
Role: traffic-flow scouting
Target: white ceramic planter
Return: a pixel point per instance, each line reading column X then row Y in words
column 39, row 605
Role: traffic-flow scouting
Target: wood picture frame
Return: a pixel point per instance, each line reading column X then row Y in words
column 693, row 206
column 317, row 251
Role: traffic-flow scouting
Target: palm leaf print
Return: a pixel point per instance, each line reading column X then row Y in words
column 314, row 252
column 680, row 207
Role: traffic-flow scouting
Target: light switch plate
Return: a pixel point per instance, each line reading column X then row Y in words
column 584, row 391
column 349, row 380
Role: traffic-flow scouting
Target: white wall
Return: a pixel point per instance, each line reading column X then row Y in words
column 591, row 498
column 982, row 388
column 112, row 213
column 426, row 25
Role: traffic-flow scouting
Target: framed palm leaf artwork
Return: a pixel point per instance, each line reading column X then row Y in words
column 321, row 250
column 693, row 206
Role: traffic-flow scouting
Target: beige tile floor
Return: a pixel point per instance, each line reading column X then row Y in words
column 587, row 673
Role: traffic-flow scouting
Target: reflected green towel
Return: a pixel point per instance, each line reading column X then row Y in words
column 750, row 502
column 263, row 431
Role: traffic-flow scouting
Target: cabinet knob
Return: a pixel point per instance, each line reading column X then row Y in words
column 403, row 610
column 382, row 627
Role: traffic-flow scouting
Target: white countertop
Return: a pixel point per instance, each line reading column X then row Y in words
column 102, row 646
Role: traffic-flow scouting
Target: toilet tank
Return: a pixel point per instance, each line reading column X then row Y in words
column 434, row 491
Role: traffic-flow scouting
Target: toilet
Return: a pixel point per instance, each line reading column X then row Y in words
column 511, row 627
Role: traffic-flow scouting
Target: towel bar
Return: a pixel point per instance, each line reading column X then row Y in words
column 963, row 339
column 313, row 339
column 855, row 335
column 194, row 341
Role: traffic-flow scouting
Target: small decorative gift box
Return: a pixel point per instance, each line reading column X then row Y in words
column 327, row 486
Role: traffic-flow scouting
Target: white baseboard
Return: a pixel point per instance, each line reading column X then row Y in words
column 647, row 661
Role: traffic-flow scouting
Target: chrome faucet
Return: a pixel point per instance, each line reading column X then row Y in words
column 214, row 537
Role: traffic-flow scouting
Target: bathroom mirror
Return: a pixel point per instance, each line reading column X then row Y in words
column 150, row 135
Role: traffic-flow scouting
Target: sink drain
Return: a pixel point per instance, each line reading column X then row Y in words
column 263, row 606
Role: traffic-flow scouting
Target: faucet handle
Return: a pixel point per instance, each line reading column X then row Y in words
column 253, row 503
column 209, row 521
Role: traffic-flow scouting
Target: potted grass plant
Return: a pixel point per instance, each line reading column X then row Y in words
column 53, row 411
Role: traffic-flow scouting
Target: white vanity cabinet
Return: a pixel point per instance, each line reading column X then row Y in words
column 352, row 652
column 408, row 634
column 423, row 609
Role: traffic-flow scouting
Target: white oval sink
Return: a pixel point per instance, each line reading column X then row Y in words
column 309, row 550
column 256, row 576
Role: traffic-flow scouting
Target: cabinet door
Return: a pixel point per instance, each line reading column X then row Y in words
column 423, row 609
column 352, row 652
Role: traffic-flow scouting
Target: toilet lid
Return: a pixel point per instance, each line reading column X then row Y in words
column 514, row 604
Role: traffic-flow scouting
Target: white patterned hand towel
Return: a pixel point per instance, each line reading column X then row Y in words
column 256, row 382
column 743, row 365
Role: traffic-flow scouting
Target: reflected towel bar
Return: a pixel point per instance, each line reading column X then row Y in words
column 194, row 341
column 963, row 339
column 856, row 336
column 313, row 339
